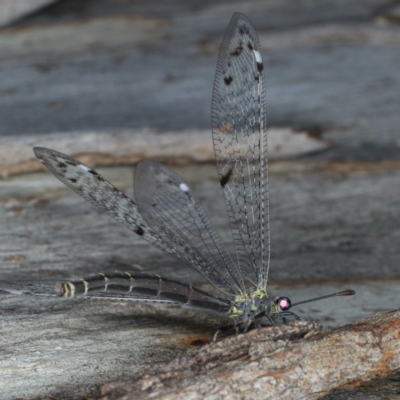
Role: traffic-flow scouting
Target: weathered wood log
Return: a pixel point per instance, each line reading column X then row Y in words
column 375, row 389
column 331, row 71
column 321, row 237
column 297, row 361
column 131, row 146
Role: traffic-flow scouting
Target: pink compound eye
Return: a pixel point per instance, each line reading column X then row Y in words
column 284, row 303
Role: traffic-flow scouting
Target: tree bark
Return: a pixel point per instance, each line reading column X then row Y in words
column 296, row 361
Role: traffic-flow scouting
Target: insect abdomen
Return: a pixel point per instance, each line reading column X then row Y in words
column 123, row 285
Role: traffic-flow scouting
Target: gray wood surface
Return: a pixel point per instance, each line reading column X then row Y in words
column 12, row 10
column 86, row 75
column 129, row 146
column 331, row 68
column 330, row 232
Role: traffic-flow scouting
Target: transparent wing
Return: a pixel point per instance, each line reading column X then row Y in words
column 94, row 188
column 104, row 196
column 240, row 144
column 168, row 205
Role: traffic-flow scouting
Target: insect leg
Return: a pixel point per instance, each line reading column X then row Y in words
column 285, row 314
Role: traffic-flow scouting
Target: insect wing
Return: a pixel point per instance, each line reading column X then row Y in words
column 240, row 145
column 103, row 195
column 169, row 206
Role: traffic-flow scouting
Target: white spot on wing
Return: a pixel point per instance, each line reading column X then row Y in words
column 84, row 167
column 257, row 56
column 183, row 187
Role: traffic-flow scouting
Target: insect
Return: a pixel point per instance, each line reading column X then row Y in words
column 167, row 213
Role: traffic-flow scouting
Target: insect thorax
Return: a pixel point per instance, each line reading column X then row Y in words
column 248, row 306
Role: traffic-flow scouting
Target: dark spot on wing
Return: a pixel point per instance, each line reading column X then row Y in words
column 243, row 29
column 61, row 165
column 139, row 231
column 237, row 51
column 70, row 163
column 73, row 180
column 94, row 173
column 250, row 46
column 260, row 67
column 225, row 178
column 228, row 80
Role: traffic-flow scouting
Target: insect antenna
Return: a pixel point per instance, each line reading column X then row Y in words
column 342, row 293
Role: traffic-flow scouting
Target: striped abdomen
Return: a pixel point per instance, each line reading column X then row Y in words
column 153, row 288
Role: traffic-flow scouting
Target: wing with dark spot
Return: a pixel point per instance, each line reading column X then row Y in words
column 228, row 80
column 171, row 208
column 240, row 144
column 225, row 178
column 94, row 188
